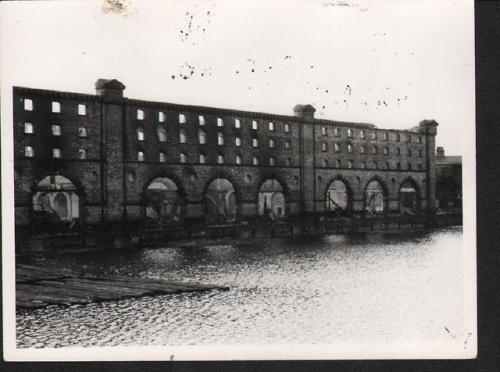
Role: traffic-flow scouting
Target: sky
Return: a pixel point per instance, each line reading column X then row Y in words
column 391, row 63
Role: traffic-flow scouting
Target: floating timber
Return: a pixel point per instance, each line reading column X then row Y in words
column 37, row 287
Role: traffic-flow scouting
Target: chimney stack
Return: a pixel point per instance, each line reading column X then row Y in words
column 110, row 90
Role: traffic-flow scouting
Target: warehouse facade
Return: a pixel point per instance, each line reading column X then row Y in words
column 84, row 159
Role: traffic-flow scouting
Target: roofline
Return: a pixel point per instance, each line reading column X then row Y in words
column 207, row 109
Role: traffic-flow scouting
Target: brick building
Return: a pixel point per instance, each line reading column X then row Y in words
column 448, row 181
column 103, row 159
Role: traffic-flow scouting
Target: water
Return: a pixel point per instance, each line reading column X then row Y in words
column 329, row 289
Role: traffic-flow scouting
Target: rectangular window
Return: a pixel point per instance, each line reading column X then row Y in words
column 220, row 159
column 255, row 125
column 237, row 141
column 255, row 160
column 56, row 153
column 349, row 164
column 161, row 117
column 182, row 136
column 82, row 109
column 287, row 128
column 337, row 147
column 271, row 126
column 140, row 114
column 336, row 132
column 349, row 133
column 419, row 139
column 287, row 145
column 140, row 156
column 325, row 163
column 203, row 159
column 238, row 159
column 323, row 131
column 362, row 134
column 56, row 130
column 29, row 152
column 163, row 157
column 272, row 162
column 82, row 154
column 183, row 158
column 374, row 135
column 140, row 134
column 255, row 142
column 201, row 120
column 82, row 132
column 386, row 136
column 220, row 122
column 237, row 123
column 56, row 107
column 28, row 104
column 182, row 119
column 28, row 128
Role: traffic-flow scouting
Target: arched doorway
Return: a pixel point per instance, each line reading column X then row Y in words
column 374, row 198
column 337, row 197
column 55, row 200
column 162, row 201
column 220, row 201
column 271, row 200
column 408, row 198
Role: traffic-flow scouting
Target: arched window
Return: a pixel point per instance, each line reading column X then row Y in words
column 398, row 165
column 220, row 201
column 238, row 159
column 220, row 139
column 163, row 201
column 140, row 134
column 28, row 128
column 237, row 141
column 271, row 200
column 182, row 136
column 82, row 154
column 140, row 156
column 255, row 142
column 140, row 115
column 324, row 146
column 202, row 137
column 323, row 131
column 183, row 157
column 56, row 153
column 409, row 166
column 272, row 162
column 29, row 152
column 374, row 197
column 271, row 143
column 56, row 195
column 162, row 133
column 337, row 198
column 255, row 160
column 203, row 159
column 162, row 157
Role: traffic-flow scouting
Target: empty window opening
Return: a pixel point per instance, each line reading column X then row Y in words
column 161, row 116
column 323, row 131
column 271, row 126
column 182, row 119
column 140, row 114
column 220, row 139
column 182, row 136
column 82, row 132
column 82, row 109
column 338, row 163
column 386, row 136
column 386, row 151
column 140, row 156
column 162, row 157
column 220, row 122
column 272, row 161
column 287, row 145
column 183, row 157
column 349, row 164
column 203, row 158
column 201, row 120
column 255, row 160
column 324, row 146
column 28, row 104
column 287, row 128
column 202, row 137
column 255, row 125
column 362, row 134
column 337, row 147
column 349, row 148
column 140, row 134
column 29, row 152
column 56, row 153
column 237, row 123
column 238, row 159
column 336, row 132
column 325, row 163
column 56, row 107
column 56, row 130
column 288, row 162
column 237, row 141
column 162, row 134
column 271, row 143
column 220, row 159
column 349, row 133
column 82, row 154
column 255, row 142
column 28, row 128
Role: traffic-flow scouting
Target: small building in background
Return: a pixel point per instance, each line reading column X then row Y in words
column 448, row 181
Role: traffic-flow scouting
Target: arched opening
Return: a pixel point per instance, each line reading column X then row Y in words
column 55, row 201
column 271, row 201
column 408, row 199
column 337, row 198
column 220, row 201
column 162, row 201
column 374, row 198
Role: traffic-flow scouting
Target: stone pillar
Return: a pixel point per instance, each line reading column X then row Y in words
column 429, row 128
column 307, row 157
column 112, row 127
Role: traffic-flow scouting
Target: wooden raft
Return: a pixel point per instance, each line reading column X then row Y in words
column 38, row 287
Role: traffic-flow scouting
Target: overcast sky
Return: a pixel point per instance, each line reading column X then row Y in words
column 390, row 63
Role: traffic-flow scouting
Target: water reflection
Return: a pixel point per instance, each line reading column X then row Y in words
column 339, row 288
